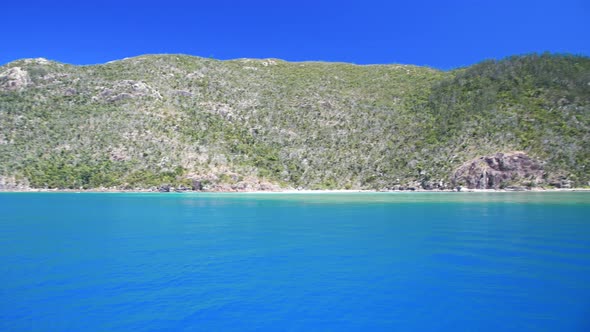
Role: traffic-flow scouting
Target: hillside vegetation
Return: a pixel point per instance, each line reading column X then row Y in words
column 259, row 124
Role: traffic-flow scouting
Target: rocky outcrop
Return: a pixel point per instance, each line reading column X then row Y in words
column 196, row 185
column 11, row 183
column 14, row 79
column 126, row 89
column 230, row 182
column 560, row 181
column 165, row 188
column 500, row 171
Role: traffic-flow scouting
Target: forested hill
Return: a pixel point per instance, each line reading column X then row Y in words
column 172, row 120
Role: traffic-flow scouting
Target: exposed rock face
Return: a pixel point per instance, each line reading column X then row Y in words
column 10, row 183
column 6, row 183
column 13, row 79
column 499, row 171
column 127, row 89
column 197, row 185
column 37, row 61
column 230, row 182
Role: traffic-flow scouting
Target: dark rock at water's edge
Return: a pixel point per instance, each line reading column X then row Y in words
column 499, row 171
column 165, row 188
column 197, row 185
column 561, row 181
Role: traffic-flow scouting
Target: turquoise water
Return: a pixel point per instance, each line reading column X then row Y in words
column 278, row 262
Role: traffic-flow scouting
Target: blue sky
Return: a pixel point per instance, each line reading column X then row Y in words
column 441, row 34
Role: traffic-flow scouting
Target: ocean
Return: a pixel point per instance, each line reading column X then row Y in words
column 295, row 262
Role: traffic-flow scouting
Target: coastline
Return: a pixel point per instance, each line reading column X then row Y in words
column 290, row 191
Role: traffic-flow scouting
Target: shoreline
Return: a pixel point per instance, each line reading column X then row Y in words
column 294, row 191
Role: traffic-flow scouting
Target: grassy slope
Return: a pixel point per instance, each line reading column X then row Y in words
column 148, row 120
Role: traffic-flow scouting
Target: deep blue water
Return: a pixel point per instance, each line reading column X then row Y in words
column 332, row 262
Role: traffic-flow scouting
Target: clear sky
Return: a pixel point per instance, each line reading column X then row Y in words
column 441, row 34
